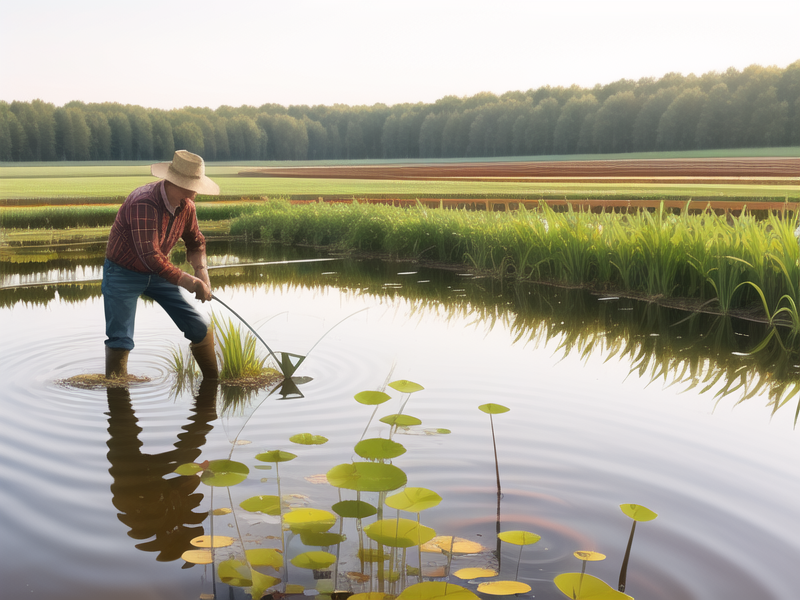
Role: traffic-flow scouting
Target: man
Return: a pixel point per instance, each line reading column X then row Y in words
column 148, row 225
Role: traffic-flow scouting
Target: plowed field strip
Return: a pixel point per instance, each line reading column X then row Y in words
column 602, row 170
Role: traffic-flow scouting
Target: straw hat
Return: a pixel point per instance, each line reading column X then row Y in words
column 186, row 170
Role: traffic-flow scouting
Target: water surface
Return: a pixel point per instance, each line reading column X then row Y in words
column 89, row 508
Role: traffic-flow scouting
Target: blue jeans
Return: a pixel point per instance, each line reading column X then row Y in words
column 121, row 290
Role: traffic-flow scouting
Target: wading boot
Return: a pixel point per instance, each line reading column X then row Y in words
column 205, row 356
column 116, row 362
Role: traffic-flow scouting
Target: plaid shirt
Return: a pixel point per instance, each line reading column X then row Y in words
column 145, row 232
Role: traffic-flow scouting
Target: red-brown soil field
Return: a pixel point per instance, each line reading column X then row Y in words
column 764, row 171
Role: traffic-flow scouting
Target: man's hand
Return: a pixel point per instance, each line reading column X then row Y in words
column 196, row 286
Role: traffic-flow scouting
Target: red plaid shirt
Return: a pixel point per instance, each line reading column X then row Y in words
column 145, row 232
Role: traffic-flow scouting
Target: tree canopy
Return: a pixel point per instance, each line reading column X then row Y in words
column 756, row 107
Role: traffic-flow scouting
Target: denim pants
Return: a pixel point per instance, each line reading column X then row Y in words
column 121, row 290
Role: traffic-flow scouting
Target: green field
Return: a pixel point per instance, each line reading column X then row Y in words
column 72, row 182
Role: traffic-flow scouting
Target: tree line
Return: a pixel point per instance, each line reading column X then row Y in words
column 756, row 107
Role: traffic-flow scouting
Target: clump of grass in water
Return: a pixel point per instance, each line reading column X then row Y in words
column 240, row 362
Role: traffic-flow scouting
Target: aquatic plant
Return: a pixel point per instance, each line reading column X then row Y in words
column 494, row 409
column 237, row 352
column 637, row 513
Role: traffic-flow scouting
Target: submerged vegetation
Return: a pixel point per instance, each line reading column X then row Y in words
column 704, row 261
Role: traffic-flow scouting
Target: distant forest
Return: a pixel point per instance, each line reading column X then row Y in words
column 755, row 107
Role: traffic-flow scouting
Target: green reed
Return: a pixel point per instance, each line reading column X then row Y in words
column 237, row 351
column 729, row 264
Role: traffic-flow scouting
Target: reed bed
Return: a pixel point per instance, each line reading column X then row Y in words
column 69, row 217
column 704, row 261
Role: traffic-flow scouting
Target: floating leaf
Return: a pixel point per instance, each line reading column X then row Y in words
column 188, row 469
column 313, row 538
column 413, row 499
column 235, row 572
column 371, row 398
column 308, row 440
column 367, row 477
column 198, row 557
column 354, row 509
column 205, row 541
column 457, row 545
column 275, row 456
column 406, row 387
column 493, row 409
column 503, row 588
column 475, row 573
column 377, row 448
column 520, row 538
column 222, row 511
column 309, row 519
column 401, row 420
column 316, row 559
column 265, row 557
column 434, row 590
column 581, row 586
column 399, row 533
column 589, row 555
column 224, row 473
column 269, row 505
column 293, row 589
column 638, row 512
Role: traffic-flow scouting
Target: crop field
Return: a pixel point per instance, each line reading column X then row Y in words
column 745, row 178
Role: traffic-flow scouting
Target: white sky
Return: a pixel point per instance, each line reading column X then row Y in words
column 175, row 53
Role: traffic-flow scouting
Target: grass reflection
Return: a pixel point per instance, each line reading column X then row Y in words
column 731, row 358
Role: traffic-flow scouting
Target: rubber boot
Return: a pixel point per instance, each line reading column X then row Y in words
column 205, row 356
column 116, row 362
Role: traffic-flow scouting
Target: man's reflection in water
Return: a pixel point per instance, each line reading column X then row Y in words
column 152, row 506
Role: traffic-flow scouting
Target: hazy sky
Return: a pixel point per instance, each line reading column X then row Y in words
column 174, row 53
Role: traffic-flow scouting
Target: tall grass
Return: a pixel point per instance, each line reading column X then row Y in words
column 64, row 217
column 728, row 264
column 238, row 352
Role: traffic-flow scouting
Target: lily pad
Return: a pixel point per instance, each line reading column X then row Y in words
column 405, row 387
column 265, row 557
column 493, row 409
column 581, row 586
column 269, row 505
column 475, row 573
column 638, row 512
column 399, row 533
column 314, row 538
column 503, row 588
column 436, row 590
column 275, row 456
column 413, row 499
column 316, row 559
column 198, row 557
column 367, row 477
column 519, row 538
column 378, row 448
column 224, row 473
column 191, row 468
column 372, row 398
column 354, row 509
column 308, row 439
column 589, row 555
column 401, row 420
column 206, row 541
column 309, row 519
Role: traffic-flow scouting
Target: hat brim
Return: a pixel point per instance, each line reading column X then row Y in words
column 201, row 185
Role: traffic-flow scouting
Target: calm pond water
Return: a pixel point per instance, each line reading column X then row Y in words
column 608, row 405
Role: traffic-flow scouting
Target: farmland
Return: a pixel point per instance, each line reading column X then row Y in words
column 680, row 176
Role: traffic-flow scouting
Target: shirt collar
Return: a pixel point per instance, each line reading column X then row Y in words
column 170, row 209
